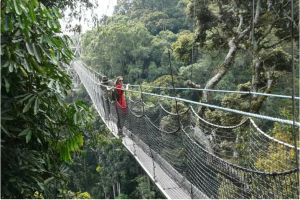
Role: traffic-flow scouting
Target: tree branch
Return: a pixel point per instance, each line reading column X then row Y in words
column 278, row 42
column 192, row 84
column 240, row 24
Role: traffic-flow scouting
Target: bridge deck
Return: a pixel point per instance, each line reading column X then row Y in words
column 167, row 185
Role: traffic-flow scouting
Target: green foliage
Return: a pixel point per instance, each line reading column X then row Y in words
column 123, row 47
column 38, row 195
column 39, row 129
column 143, row 189
column 166, row 81
column 122, row 196
column 172, row 120
column 156, row 22
column 285, row 134
column 232, row 101
column 157, row 15
column 83, row 195
column 127, row 47
column 201, row 71
column 78, row 195
column 280, row 160
column 277, row 58
column 183, row 47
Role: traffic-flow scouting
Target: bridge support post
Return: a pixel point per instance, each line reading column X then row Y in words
column 192, row 191
column 154, row 176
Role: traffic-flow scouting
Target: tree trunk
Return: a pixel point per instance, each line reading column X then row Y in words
column 225, row 66
column 119, row 188
column 223, row 69
column 257, row 102
column 256, row 74
column 114, row 190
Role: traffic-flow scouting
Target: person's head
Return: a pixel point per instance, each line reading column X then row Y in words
column 119, row 80
column 104, row 80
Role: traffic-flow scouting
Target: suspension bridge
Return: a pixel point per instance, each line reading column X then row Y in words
column 188, row 157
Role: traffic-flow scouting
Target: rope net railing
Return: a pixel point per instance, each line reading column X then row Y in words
column 206, row 160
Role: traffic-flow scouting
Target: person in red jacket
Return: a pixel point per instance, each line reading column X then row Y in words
column 120, row 104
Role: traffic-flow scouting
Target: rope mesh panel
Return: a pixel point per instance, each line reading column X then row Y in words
column 200, row 159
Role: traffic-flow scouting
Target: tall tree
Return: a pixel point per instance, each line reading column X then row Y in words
column 120, row 48
column 241, row 26
column 38, row 129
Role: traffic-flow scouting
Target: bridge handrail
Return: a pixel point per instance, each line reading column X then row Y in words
column 224, row 91
column 288, row 122
column 210, row 90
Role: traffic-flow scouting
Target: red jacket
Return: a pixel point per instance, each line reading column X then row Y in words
column 121, row 99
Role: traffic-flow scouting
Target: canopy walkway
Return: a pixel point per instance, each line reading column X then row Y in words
column 188, row 157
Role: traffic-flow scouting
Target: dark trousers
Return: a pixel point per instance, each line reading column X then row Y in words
column 106, row 107
column 121, row 120
column 121, row 115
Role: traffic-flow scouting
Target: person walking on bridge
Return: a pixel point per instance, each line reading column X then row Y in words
column 120, row 104
column 106, row 95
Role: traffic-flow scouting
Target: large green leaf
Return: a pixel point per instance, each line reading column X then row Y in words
column 45, row 51
column 36, row 106
column 26, row 32
column 30, row 48
column 27, row 96
column 35, row 65
column 23, row 71
column 24, row 132
column 59, row 100
column 51, row 83
column 28, row 105
column 48, row 180
column 27, row 65
column 6, row 23
column 56, row 12
column 49, row 24
column 23, row 7
column 11, row 67
column 5, row 65
column 28, row 136
column 26, row 22
column 55, row 24
column 35, row 3
column 37, row 52
column 75, row 118
column 5, row 130
column 31, row 12
column 7, row 85
column 57, row 87
column 8, row 7
column 75, row 142
column 57, row 42
column 17, row 7
column 19, row 52
column 53, row 57
column 13, row 179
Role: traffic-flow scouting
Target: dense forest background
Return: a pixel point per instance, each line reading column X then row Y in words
column 54, row 144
